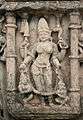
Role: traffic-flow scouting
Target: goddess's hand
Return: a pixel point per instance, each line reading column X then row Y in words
column 22, row 66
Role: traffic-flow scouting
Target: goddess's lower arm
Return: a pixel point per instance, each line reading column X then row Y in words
column 56, row 62
column 27, row 60
column 62, row 54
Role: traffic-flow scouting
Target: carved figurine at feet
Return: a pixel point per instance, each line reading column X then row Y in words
column 39, row 60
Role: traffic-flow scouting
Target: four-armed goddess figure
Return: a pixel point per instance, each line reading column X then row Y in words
column 38, row 61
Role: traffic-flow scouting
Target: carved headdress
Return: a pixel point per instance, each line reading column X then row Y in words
column 43, row 27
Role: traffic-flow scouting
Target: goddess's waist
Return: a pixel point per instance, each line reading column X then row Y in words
column 41, row 64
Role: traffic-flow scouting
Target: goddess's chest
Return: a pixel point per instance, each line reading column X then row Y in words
column 44, row 47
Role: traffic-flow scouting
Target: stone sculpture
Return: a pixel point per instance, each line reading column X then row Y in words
column 47, row 53
column 40, row 51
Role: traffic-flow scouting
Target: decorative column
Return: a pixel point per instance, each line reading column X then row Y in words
column 75, row 88
column 11, row 54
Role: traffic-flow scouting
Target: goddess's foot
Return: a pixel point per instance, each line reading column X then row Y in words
column 51, row 104
column 61, row 101
column 43, row 103
column 30, row 97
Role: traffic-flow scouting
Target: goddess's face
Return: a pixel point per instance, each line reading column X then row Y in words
column 44, row 36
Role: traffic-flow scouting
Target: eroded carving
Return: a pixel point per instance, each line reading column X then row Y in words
column 2, row 66
column 2, row 42
column 24, row 29
column 44, row 74
column 2, row 46
column 80, row 48
column 38, row 63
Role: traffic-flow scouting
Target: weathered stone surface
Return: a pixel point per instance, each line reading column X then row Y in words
column 41, row 60
column 41, row 4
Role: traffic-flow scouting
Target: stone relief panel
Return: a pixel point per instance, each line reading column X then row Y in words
column 41, row 67
column 43, row 78
column 41, row 47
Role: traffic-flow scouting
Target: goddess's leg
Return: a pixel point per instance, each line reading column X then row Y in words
column 49, row 88
column 39, row 82
column 39, row 85
column 48, row 79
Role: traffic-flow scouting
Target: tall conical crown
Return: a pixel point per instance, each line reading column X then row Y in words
column 43, row 26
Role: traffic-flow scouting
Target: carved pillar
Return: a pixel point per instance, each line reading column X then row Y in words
column 11, row 55
column 74, row 90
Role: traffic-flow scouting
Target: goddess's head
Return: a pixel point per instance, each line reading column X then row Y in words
column 43, row 30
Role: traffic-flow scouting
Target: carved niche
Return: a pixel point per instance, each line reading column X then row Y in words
column 42, row 65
